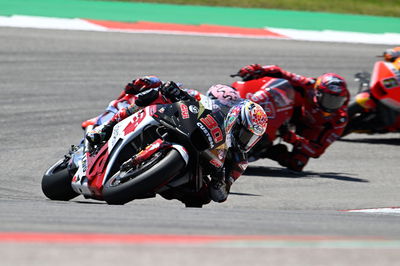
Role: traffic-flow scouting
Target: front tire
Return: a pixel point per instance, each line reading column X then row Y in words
column 56, row 182
column 145, row 183
column 353, row 110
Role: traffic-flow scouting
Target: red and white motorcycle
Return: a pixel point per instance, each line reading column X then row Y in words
column 165, row 149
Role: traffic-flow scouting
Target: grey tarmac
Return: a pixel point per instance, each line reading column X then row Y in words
column 50, row 81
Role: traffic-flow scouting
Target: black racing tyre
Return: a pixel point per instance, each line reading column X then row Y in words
column 158, row 171
column 353, row 109
column 56, row 183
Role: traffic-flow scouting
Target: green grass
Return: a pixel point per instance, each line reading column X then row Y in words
column 364, row 7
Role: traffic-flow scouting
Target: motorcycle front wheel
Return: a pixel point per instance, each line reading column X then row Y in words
column 145, row 180
column 353, row 111
column 56, row 182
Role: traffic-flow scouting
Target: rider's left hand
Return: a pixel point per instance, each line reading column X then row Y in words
column 137, row 85
column 289, row 136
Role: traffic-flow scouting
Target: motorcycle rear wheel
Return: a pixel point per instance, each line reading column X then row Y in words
column 56, row 183
column 162, row 170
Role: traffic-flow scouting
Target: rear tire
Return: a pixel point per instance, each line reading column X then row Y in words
column 145, row 183
column 56, row 183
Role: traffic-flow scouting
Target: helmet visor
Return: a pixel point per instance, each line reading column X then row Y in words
column 246, row 139
column 331, row 103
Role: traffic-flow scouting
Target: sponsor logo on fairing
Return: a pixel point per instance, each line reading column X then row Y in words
column 194, row 109
column 216, row 163
column 135, row 121
column 212, row 125
column 153, row 110
column 205, row 131
column 184, row 111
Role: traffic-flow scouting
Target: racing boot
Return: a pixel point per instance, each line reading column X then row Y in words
column 219, row 187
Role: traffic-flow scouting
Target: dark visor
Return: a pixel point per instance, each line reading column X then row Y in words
column 331, row 102
column 247, row 139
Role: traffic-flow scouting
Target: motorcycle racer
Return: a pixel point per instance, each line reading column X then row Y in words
column 320, row 114
column 125, row 99
column 244, row 124
column 390, row 55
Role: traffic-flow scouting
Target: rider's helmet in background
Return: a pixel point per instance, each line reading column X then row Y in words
column 331, row 92
column 244, row 125
column 390, row 55
column 224, row 93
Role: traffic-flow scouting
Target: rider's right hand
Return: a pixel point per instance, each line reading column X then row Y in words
column 137, row 85
column 173, row 92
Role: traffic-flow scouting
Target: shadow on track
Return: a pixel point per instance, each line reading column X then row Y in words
column 90, row 202
column 380, row 141
column 285, row 173
column 244, row 194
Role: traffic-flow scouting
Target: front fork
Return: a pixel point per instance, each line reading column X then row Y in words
column 158, row 145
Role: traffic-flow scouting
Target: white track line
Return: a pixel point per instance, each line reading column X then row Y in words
column 391, row 210
column 304, row 35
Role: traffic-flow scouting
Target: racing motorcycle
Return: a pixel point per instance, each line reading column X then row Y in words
column 276, row 96
column 165, row 149
column 377, row 101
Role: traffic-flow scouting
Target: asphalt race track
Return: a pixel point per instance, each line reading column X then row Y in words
column 50, row 81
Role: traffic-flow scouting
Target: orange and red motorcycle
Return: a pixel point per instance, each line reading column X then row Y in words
column 376, row 107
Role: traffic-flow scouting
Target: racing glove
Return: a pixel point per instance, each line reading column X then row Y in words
column 290, row 137
column 219, row 186
column 252, row 71
column 287, row 135
column 272, row 71
column 141, row 84
column 173, row 92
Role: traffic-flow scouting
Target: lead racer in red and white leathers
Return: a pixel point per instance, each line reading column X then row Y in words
column 320, row 114
column 245, row 123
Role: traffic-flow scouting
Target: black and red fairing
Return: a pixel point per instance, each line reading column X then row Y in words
column 202, row 126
